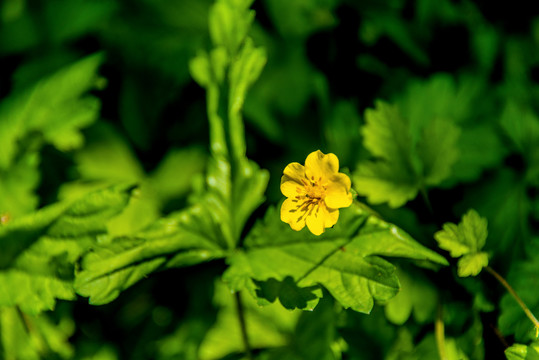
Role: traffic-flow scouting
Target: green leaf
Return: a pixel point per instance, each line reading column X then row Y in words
column 480, row 148
column 182, row 239
column 268, row 326
column 467, row 238
column 523, row 352
column 503, row 200
column 437, row 150
column 516, row 352
column 54, row 107
column 472, row 264
column 408, row 155
column 521, row 125
column 229, row 22
column 346, row 260
column 39, row 250
column 45, row 340
column 18, row 184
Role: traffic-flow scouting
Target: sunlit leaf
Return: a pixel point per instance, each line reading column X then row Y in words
column 523, row 352
column 182, row 239
column 466, row 240
column 39, row 250
column 346, row 260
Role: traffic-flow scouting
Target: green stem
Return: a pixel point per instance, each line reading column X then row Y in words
column 425, row 195
column 243, row 326
column 513, row 293
column 439, row 331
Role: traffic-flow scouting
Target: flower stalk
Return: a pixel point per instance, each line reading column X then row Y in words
column 243, row 326
column 513, row 293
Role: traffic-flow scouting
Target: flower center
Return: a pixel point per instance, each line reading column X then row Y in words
column 314, row 191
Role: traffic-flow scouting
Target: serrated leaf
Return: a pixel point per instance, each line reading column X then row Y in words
column 346, row 260
column 18, row 184
column 182, row 239
column 54, row 107
column 466, row 239
column 39, row 250
column 472, row 264
column 408, row 155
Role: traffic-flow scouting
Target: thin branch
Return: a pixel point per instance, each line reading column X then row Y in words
column 513, row 293
column 243, row 326
column 439, row 331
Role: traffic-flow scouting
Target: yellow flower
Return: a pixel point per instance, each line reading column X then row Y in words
column 314, row 193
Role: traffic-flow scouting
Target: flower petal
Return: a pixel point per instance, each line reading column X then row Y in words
column 292, row 214
column 338, row 192
column 315, row 221
column 290, row 187
column 331, row 216
column 294, row 171
column 319, row 165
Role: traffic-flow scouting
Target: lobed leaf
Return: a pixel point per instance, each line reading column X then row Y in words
column 408, row 155
column 465, row 240
column 182, row 239
column 347, row 261
column 39, row 250
column 55, row 107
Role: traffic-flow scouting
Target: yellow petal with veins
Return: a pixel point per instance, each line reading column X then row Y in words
column 315, row 222
column 331, row 215
column 319, row 165
column 295, row 171
column 292, row 214
column 290, row 187
column 338, row 191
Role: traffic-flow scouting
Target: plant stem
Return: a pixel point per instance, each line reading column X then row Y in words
column 513, row 293
column 425, row 195
column 243, row 326
column 439, row 331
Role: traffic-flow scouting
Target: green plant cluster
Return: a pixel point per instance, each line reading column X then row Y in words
column 141, row 149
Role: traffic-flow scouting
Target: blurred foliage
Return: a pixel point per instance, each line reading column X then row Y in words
column 142, row 145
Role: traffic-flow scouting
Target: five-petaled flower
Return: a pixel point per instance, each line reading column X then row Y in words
column 314, row 193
